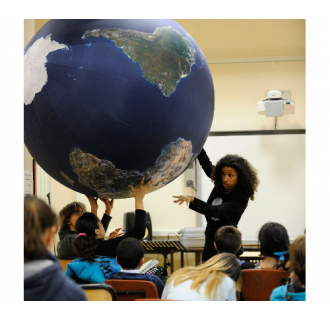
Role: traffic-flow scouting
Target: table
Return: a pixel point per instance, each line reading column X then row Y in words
column 250, row 253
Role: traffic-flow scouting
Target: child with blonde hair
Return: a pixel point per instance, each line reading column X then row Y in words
column 218, row 279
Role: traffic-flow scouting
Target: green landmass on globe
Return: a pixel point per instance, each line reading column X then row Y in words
column 165, row 56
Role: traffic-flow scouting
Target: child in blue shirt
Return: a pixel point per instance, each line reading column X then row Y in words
column 295, row 290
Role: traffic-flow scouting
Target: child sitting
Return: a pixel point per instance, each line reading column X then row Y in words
column 296, row 289
column 274, row 246
column 130, row 255
column 229, row 239
column 218, row 279
column 43, row 276
column 90, row 267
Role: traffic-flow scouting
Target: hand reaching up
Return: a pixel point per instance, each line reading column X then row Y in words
column 93, row 203
column 140, row 192
column 108, row 205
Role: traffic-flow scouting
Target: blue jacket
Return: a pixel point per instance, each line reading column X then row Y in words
column 92, row 272
column 44, row 281
column 282, row 294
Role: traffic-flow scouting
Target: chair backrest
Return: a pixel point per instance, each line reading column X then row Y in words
column 99, row 292
column 258, row 284
column 64, row 262
column 130, row 290
column 155, row 300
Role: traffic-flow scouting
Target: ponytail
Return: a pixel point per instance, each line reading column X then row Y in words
column 85, row 244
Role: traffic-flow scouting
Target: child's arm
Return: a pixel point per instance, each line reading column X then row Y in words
column 140, row 192
column 93, row 202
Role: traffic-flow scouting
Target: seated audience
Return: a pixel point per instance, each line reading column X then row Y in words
column 69, row 216
column 130, row 255
column 295, row 290
column 95, row 253
column 43, row 276
column 229, row 239
column 218, row 279
column 274, row 246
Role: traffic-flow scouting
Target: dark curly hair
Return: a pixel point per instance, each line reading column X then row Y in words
column 85, row 247
column 247, row 174
column 69, row 210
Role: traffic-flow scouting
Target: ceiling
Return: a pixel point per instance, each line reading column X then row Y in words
column 247, row 38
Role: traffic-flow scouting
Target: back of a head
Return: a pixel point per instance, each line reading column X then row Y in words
column 228, row 239
column 228, row 264
column 215, row 269
column 129, row 253
column 274, row 240
column 38, row 217
column 298, row 258
column 85, row 245
column 87, row 223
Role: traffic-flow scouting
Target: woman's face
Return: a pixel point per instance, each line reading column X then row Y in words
column 73, row 219
column 229, row 178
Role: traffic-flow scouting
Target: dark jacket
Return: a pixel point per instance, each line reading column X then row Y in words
column 64, row 246
column 108, row 247
column 44, row 280
column 228, row 213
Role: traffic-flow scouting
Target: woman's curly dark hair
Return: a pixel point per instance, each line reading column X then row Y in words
column 85, row 247
column 247, row 174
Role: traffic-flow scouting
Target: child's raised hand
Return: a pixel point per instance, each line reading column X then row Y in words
column 142, row 190
column 108, row 205
column 93, row 203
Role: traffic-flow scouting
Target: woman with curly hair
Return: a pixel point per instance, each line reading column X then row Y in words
column 218, row 279
column 235, row 182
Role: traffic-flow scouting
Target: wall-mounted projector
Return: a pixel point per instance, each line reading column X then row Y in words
column 276, row 105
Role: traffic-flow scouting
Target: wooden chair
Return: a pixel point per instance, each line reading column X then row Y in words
column 130, row 290
column 155, row 300
column 259, row 284
column 99, row 292
column 64, row 262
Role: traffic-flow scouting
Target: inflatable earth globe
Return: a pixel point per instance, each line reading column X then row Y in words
column 107, row 102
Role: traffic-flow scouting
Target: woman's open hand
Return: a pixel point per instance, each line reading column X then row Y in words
column 182, row 199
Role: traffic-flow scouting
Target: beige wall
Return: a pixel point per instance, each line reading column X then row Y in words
column 238, row 87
